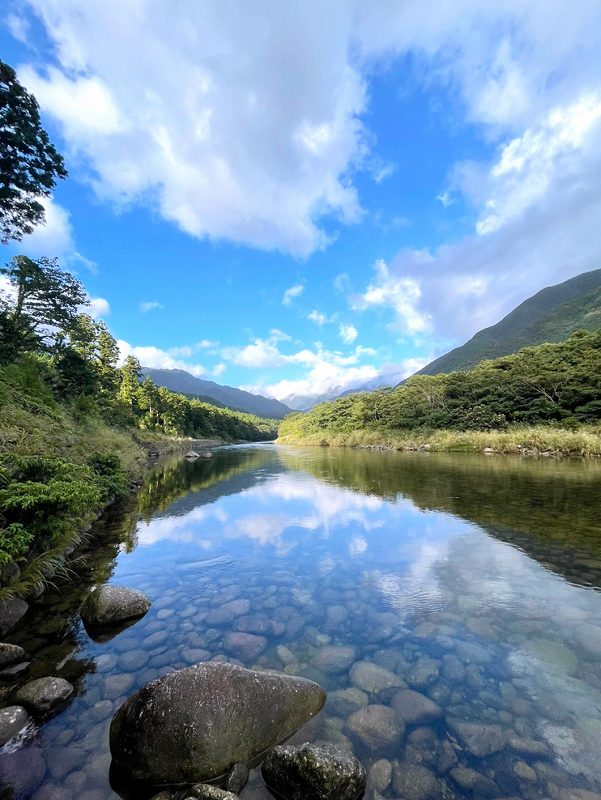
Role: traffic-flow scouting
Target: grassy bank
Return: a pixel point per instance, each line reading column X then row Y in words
column 61, row 463
column 520, row 439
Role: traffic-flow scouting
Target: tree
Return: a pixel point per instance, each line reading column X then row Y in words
column 44, row 300
column 29, row 163
column 129, row 376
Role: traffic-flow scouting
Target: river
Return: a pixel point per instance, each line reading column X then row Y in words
column 472, row 579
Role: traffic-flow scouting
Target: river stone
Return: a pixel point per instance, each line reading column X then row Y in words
column 423, row 673
column 22, row 770
column 314, row 772
column 194, row 724
column 478, row 738
column 474, row 782
column 343, row 702
column 245, row 646
column 237, row 778
column 12, row 720
column 44, row 695
column 12, row 610
column 332, row 659
column 11, row 654
column 227, row 613
column 415, row 708
column 110, row 605
column 414, row 782
column 378, row 728
column 202, row 791
column 374, row 679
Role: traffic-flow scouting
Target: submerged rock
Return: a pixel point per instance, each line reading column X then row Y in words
column 332, row 659
column 314, row 772
column 415, row 708
column 377, row 728
column 478, row 738
column 194, row 724
column 414, row 782
column 12, row 610
column 111, row 605
column 373, row 678
column 44, row 695
column 12, row 720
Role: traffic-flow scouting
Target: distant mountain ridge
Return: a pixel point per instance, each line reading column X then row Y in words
column 550, row 315
column 178, row 380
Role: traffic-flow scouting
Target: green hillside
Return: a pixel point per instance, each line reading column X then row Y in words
column 554, row 387
column 551, row 315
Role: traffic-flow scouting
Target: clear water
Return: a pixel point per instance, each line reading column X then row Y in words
column 474, row 580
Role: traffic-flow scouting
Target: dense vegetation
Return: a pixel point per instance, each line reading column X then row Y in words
column 552, row 385
column 69, row 416
column 550, row 315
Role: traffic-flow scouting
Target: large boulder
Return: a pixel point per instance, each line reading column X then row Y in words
column 44, row 695
column 12, row 610
column 314, row 772
column 112, row 605
column 13, row 719
column 193, row 725
column 11, row 654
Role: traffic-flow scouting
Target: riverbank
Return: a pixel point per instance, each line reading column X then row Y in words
column 518, row 440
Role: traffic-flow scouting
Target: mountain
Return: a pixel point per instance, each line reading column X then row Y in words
column 550, row 315
column 178, row 380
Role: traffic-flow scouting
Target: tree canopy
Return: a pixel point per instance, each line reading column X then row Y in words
column 29, row 162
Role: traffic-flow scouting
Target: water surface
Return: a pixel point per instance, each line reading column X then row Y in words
column 474, row 580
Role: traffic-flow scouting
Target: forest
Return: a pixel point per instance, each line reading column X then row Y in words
column 553, row 385
column 70, row 415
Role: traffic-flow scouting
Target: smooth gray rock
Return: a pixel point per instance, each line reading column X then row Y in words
column 373, row 678
column 111, row 605
column 22, row 770
column 12, row 720
column 11, row 654
column 471, row 781
column 377, row 728
column 332, row 659
column 15, row 671
column 414, row 782
column 423, row 673
column 478, row 738
column 202, row 791
column 227, row 612
column 44, row 695
column 237, row 778
column 343, row 702
column 245, row 646
column 193, row 724
column 314, row 772
column 415, row 708
column 12, row 610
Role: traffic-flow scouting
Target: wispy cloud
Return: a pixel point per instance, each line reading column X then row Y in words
column 348, row 333
column 150, row 305
column 292, row 292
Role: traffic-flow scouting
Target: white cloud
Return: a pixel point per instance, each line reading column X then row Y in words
column 150, row 356
column 99, row 308
column 400, row 293
column 150, row 305
column 445, row 198
column 218, row 369
column 292, row 292
column 54, row 238
column 317, row 317
column 348, row 333
column 537, row 216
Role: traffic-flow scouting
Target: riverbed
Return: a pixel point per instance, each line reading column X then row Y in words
column 470, row 581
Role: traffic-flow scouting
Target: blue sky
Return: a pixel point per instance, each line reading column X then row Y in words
column 301, row 199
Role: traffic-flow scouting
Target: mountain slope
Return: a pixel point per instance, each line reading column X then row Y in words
column 551, row 315
column 178, row 380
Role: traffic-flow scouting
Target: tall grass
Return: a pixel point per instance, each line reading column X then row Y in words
column 585, row 441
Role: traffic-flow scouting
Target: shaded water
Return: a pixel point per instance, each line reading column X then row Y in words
column 472, row 580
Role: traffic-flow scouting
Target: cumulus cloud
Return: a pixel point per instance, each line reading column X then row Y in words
column 150, row 356
column 292, row 292
column 348, row 333
column 99, row 308
column 537, row 214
